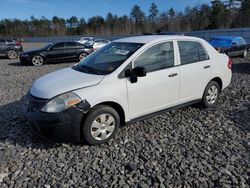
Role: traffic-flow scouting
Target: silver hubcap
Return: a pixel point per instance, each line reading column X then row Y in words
column 82, row 56
column 37, row 60
column 212, row 95
column 12, row 54
column 103, row 127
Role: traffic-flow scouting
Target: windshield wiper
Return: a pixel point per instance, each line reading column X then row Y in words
column 89, row 69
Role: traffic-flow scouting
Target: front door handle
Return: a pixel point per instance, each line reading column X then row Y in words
column 172, row 75
column 206, row 67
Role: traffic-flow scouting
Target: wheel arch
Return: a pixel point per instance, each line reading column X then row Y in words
column 117, row 107
column 219, row 81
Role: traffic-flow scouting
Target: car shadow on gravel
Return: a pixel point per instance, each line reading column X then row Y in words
column 14, row 128
column 16, row 64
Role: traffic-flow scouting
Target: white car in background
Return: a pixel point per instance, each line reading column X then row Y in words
column 127, row 80
column 83, row 40
column 97, row 44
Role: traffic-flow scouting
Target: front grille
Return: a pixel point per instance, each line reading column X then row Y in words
column 36, row 104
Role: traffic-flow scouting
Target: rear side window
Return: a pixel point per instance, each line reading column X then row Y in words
column 70, row 45
column 242, row 41
column 157, row 57
column 191, row 52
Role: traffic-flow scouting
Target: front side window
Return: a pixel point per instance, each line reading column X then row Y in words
column 58, row 46
column 191, row 52
column 157, row 57
column 108, row 58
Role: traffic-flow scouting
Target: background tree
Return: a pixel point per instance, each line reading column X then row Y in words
column 244, row 13
column 153, row 14
column 220, row 14
column 138, row 16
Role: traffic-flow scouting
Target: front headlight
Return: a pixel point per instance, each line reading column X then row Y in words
column 61, row 102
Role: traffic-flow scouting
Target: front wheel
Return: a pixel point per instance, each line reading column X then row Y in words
column 37, row 60
column 100, row 125
column 211, row 94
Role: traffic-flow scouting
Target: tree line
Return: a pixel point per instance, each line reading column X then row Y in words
column 219, row 15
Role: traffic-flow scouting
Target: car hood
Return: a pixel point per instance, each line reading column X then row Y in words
column 62, row 81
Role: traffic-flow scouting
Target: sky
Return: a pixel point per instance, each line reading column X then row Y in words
column 23, row 9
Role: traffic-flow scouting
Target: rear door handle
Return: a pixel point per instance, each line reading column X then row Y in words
column 206, row 67
column 172, row 75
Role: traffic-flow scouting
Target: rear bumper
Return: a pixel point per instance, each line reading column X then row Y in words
column 58, row 127
column 226, row 80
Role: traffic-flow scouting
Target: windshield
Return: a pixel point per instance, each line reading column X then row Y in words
column 108, row 58
column 221, row 42
column 47, row 46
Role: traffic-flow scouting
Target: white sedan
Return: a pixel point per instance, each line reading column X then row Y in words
column 126, row 80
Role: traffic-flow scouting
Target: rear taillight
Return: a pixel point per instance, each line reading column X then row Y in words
column 230, row 63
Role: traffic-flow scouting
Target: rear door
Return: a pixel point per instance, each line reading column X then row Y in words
column 71, row 51
column 195, row 70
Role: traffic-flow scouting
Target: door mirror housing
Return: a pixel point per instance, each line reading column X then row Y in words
column 133, row 74
column 235, row 43
column 139, row 72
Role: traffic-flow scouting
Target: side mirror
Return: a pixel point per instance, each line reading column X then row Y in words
column 234, row 43
column 135, row 73
column 139, row 72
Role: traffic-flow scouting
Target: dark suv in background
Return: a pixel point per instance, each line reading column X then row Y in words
column 10, row 48
column 231, row 45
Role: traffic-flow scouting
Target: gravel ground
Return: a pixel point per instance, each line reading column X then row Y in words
column 188, row 147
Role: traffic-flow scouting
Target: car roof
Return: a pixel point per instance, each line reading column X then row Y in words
column 150, row 38
column 226, row 37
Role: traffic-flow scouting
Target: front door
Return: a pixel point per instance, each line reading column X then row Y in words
column 56, row 53
column 2, row 45
column 159, row 89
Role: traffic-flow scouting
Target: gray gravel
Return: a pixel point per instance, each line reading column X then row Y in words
column 189, row 147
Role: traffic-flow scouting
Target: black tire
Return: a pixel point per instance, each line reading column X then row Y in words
column 207, row 101
column 89, row 129
column 12, row 54
column 82, row 56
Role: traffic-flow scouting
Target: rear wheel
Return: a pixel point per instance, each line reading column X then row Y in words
column 82, row 56
column 100, row 125
column 211, row 94
column 37, row 60
column 12, row 54
column 244, row 55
